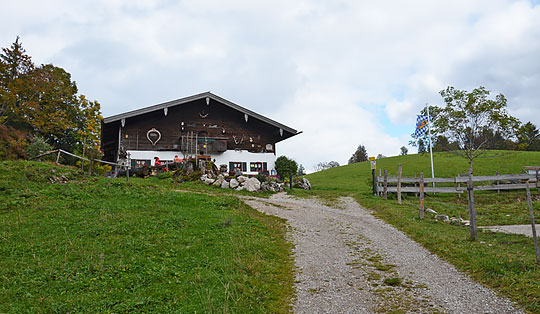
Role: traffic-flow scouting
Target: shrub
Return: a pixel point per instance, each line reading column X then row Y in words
column 284, row 166
column 38, row 146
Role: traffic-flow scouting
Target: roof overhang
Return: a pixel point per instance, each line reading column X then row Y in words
column 185, row 100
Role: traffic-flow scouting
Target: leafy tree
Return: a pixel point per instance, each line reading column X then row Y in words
column 43, row 101
column 380, row 156
column 301, row 171
column 528, row 137
column 359, row 155
column 333, row 164
column 285, row 166
column 323, row 165
column 15, row 65
column 468, row 115
column 422, row 148
column 441, row 144
column 403, row 151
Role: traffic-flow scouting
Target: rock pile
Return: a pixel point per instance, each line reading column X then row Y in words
column 302, row 183
column 449, row 220
column 243, row 183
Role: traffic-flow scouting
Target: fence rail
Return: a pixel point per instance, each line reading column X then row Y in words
column 498, row 182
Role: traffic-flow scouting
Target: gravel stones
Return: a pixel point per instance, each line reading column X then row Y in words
column 345, row 255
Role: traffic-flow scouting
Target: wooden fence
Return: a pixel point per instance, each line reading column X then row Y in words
column 419, row 185
column 387, row 184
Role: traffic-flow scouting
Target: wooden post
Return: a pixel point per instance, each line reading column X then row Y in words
column 399, row 185
column 532, row 223
column 374, row 178
column 415, row 193
column 497, row 182
column 290, row 180
column 379, row 184
column 385, row 189
column 458, row 185
column 127, row 174
column 90, row 168
column 472, row 212
column 421, row 188
column 58, row 156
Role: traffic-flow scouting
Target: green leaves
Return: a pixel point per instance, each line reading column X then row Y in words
column 43, row 101
column 473, row 121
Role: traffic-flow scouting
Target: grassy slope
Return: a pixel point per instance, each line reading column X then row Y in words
column 504, row 262
column 106, row 246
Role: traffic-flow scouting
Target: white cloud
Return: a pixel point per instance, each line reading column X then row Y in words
column 344, row 72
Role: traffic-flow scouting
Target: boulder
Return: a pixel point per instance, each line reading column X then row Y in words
column 234, row 183
column 252, row 185
column 208, row 181
column 443, row 218
column 219, row 180
column 242, row 179
column 224, row 184
column 429, row 210
column 240, row 188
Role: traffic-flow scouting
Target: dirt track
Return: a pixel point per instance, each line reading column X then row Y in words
column 350, row 262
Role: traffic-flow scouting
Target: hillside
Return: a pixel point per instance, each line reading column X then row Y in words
column 69, row 243
column 357, row 177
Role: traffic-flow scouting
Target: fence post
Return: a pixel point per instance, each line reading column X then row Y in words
column 399, row 185
column 532, row 223
column 90, row 168
column 58, row 156
column 458, row 185
column 497, row 182
column 421, row 209
column 127, row 174
column 379, row 184
column 472, row 213
column 290, row 180
column 415, row 193
column 385, row 190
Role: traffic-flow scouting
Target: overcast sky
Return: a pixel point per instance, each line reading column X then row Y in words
column 343, row 72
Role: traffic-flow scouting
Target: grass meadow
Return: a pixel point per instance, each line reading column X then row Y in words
column 102, row 245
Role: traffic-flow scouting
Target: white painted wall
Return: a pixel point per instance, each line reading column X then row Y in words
column 223, row 158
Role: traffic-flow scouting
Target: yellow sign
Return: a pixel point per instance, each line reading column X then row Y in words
column 371, row 158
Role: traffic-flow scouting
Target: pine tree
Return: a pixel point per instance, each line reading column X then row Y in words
column 359, row 155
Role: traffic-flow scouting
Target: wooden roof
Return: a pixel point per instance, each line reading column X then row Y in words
column 204, row 95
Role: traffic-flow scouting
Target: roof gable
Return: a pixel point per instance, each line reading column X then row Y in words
column 189, row 99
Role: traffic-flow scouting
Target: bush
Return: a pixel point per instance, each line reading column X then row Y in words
column 12, row 143
column 284, row 166
column 38, row 146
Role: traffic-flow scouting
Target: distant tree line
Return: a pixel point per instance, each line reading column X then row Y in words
column 323, row 165
column 42, row 101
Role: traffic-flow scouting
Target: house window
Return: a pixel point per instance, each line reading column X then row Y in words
column 258, row 166
column 137, row 163
column 237, row 165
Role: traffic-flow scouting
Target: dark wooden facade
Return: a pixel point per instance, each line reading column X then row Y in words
column 202, row 124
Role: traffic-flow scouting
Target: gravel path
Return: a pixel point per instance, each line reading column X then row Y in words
column 351, row 262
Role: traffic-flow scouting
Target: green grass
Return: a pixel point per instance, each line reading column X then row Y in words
column 503, row 262
column 101, row 245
